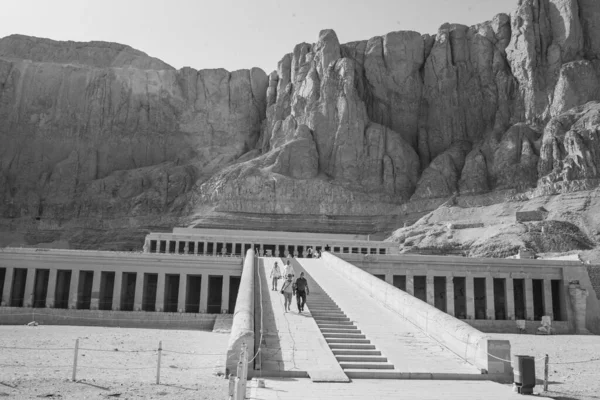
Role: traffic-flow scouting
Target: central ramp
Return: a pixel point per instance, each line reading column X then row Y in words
column 292, row 344
column 413, row 354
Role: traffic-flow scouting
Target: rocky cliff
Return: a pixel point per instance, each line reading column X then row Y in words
column 99, row 136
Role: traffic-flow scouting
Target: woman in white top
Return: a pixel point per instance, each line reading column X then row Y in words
column 289, row 270
column 275, row 275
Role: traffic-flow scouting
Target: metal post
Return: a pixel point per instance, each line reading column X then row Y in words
column 245, row 370
column 158, row 365
column 239, row 394
column 75, row 360
column 546, row 359
column 231, row 387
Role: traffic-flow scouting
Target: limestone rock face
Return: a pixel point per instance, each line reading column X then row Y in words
column 570, row 147
column 577, row 84
column 545, row 35
column 443, row 174
column 93, row 54
column 298, row 158
column 129, row 136
column 515, row 159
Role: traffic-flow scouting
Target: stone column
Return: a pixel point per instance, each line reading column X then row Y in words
column 186, row 248
column 430, row 290
column 204, row 248
column 295, row 251
column 214, row 253
column 389, row 278
column 529, row 299
column 182, row 292
column 578, row 297
column 29, row 288
column 8, row 278
column 490, row 310
column 139, row 291
column 262, row 250
column 51, row 293
column 470, row 296
column 146, row 248
column 116, row 302
column 410, row 283
column 196, row 246
column 74, row 288
column 225, row 294
column 548, row 299
column 204, row 294
column 450, row 295
column 510, row 299
column 160, row 292
column 95, row 301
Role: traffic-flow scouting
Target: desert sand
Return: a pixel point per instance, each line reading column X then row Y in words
column 125, row 367
column 571, row 374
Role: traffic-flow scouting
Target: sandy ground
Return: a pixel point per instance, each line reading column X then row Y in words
column 124, row 369
column 569, row 375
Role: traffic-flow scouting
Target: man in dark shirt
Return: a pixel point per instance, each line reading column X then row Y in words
column 301, row 287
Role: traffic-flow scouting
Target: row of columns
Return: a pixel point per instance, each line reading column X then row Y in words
column 74, row 292
column 260, row 246
column 489, row 292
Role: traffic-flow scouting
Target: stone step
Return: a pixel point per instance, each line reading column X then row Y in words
column 351, row 346
column 314, row 308
column 366, row 365
column 339, row 330
column 344, row 335
column 338, row 326
column 360, row 358
column 334, row 323
column 330, row 319
column 327, row 314
column 347, row 341
column 374, row 374
column 360, row 352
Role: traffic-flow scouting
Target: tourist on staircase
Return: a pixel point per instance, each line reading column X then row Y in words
column 287, row 290
column 289, row 270
column 301, row 289
column 275, row 276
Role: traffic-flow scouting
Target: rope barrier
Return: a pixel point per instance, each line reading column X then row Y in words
column 575, row 362
column 550, row 363
column 193, row 354
column 36, row 348
column 32, row 314
column 115, row 350
column 34, row 366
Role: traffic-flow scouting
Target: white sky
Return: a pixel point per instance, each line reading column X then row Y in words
column 233, row 34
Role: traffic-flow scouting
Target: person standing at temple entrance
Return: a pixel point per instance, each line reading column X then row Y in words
column 275, row 276
column 301, row 289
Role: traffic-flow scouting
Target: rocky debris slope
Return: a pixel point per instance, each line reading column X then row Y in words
column 478, row 226
column 102, row 136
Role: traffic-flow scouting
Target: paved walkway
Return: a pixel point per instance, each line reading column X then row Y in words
column 361, row 389
column 405, row 346
column 293, row 345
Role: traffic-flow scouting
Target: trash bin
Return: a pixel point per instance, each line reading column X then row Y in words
column 524, row 371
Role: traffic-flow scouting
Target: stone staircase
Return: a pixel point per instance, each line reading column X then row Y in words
column 357, row 356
